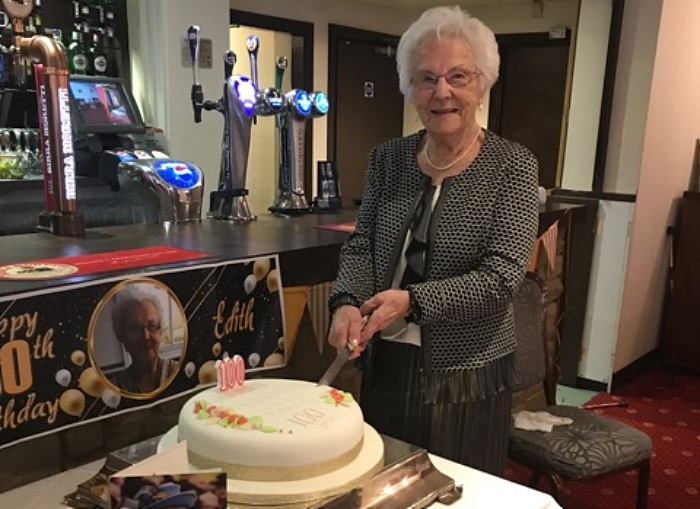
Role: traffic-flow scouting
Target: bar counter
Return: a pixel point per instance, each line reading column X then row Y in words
column 297, row 239
column 308, row 255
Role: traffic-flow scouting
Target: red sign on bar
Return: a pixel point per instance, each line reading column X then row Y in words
column 100, row 262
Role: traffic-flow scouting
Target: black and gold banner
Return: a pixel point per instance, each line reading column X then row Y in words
column 73, row 354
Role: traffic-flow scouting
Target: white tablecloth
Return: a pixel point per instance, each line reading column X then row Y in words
column 480, row 490
column 484, row 491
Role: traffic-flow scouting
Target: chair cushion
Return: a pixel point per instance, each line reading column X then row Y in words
column 591, row 446
column 528, row 311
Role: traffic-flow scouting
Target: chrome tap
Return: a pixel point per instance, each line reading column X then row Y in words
column 301, row 106
column 237, row 104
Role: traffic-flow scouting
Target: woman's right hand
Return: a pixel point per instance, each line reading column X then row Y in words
column 345, row 329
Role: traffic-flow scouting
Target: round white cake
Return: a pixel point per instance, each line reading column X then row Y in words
column 272, row 429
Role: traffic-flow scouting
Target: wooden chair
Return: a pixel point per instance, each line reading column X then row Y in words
column 593, row 445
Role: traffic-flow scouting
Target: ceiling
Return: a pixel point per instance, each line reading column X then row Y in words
column 419, row 5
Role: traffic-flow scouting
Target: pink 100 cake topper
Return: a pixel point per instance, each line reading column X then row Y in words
column 230, row 372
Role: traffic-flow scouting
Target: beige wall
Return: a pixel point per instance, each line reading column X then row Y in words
column 162, row 84
column 671, row 129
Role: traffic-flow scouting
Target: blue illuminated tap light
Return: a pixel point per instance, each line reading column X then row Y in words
column 180, row 174
column 246, row 93
column 321, row 102
column 276, row 101
column 302, row 103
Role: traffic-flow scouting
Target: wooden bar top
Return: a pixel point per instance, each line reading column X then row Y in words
column 308, row 254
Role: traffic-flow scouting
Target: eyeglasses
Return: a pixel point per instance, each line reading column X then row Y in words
column 456, row 78
column 151, row 327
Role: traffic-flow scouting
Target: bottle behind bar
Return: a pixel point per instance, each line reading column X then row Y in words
column 37, row 17
column 97, row 58
column 57, row 36
column 108, row 7
column 77, row 57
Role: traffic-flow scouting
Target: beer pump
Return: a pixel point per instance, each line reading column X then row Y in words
column 238, row 105
column 268, row 101
column 301, row 106
column 283, row 196
column 61, row 216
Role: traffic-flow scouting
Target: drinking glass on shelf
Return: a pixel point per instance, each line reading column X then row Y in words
column 19, row 153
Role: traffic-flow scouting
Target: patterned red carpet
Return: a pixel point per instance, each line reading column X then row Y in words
column 670, row 415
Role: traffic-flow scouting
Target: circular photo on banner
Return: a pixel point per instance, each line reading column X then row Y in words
column 137, row 337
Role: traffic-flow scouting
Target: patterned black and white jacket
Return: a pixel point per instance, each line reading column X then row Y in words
column 482, row 232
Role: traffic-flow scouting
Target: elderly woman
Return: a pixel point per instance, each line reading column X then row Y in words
column 137, row 324
column 446, row 227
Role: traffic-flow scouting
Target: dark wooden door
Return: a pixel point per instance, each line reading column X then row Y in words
column 681, row 341
column 366, row 104
column 527, row 102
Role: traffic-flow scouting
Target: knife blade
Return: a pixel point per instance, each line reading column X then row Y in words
column 340, row 359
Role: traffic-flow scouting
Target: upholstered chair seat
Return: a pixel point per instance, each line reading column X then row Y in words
column 592, row 445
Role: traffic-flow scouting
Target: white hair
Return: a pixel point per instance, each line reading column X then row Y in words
column 135, row 293
column 448, row 22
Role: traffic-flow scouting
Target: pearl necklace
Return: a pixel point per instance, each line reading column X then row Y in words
column 459, row 158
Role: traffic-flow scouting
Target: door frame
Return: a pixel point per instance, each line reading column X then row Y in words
column 507, row 42
column 302, row 77
column 336, row 33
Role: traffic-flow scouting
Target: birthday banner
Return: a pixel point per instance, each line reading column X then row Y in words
column 74, row 354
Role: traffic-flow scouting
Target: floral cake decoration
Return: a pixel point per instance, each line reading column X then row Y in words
column 228, row 419
column 338, row 398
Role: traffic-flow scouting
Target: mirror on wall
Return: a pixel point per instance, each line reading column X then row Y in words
column 586, row 125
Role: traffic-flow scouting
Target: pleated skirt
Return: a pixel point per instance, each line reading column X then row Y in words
column 461, row 415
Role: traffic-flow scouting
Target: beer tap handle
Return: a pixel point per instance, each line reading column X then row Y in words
column 197, row 95
column 280, row 66
column 193, row 40
column 252, row 43
column 229, row 63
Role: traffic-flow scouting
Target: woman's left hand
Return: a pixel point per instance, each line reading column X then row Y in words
column 383, row 309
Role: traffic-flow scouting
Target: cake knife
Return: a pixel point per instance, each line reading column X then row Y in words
column 340, row 359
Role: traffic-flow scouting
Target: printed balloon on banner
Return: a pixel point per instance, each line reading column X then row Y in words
column 253, row 360
column 273, row 281
column 110, row 398
column 249, row 283
column 63, row 377
column 261, row 267
column 91, row 382
column 207, row 373
column 72, row 402
column 78, row 357
column 274, row 359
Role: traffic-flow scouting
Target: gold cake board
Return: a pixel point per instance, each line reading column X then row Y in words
column 304, row 492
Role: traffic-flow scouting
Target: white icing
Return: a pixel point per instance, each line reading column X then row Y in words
column 308, row 429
